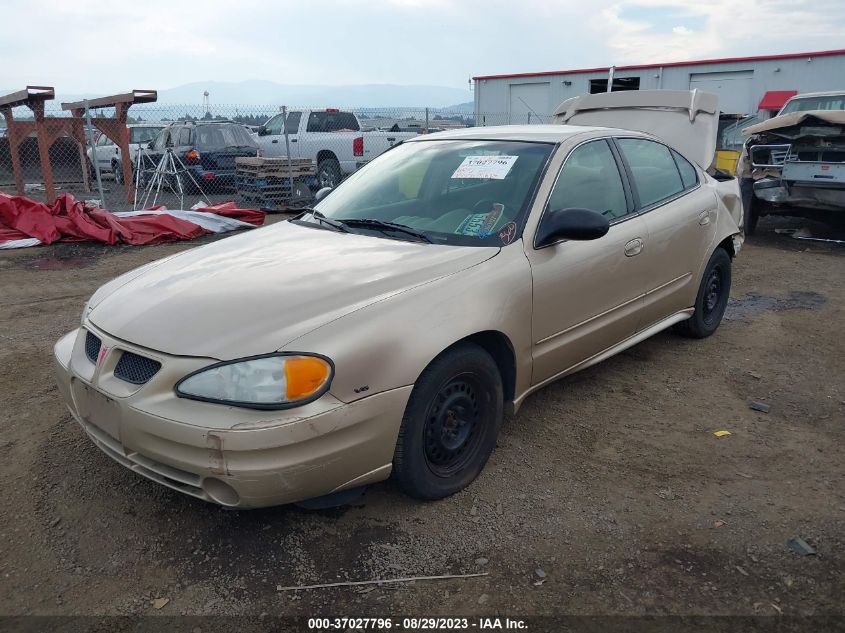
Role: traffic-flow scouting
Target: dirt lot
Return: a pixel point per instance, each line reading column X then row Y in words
column 608, row 493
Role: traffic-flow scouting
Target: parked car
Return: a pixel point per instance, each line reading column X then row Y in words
column 332, row 138
column 794, row 163
column 108, row 153
column 390, row 328
column 207, row 149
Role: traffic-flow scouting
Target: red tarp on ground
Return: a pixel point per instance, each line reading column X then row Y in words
column 70, row 220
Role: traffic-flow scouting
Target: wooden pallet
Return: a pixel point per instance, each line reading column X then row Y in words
column 274, row 167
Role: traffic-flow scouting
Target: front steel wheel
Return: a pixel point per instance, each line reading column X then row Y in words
column 450, row 425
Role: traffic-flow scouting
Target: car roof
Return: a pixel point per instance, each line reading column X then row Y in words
column 827, row 93
column 188, row 122
column 534, row 133
column 142, row 124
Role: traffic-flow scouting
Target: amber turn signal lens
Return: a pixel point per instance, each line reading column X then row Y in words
column 304, row 375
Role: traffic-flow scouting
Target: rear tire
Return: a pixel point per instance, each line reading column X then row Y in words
column 450, row 424
column 328, row 173
column 712, row 298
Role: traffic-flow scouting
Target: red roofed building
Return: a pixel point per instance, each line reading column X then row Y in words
column 744, row 84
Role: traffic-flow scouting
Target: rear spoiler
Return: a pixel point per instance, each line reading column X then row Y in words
column 686, row 119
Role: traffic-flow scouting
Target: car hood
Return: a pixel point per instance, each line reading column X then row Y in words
column 687, row 120
column 253, row 293
column 795, row 119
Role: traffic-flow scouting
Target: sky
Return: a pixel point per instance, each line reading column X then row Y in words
column 95, row 46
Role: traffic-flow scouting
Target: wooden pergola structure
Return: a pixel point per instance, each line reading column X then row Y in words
column 114, row 127
column 47, row 130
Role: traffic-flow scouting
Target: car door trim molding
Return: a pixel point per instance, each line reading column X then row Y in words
column 592, row 318
column 668, row 283
column 632, row 340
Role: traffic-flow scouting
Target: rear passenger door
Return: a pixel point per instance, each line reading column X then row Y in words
column 679, row 215
column 587, row 295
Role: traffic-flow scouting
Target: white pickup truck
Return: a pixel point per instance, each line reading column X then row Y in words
column 332, row 138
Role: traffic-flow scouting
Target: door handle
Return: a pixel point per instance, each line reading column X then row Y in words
column 634, row 247
column 275, row 140
column 293, row 140
column 704, row 217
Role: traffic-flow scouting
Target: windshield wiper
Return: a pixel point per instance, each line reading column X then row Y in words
column 338, row 226
column 384, row 225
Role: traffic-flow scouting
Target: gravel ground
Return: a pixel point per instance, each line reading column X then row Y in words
column 608, row 492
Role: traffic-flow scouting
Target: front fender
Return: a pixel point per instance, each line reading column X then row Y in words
column 388, row 344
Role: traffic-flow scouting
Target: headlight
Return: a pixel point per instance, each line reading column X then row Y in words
column 271, row 381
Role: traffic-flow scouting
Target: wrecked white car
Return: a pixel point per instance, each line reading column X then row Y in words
column 794, row 163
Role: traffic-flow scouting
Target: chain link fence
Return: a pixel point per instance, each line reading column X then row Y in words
column 272, row 157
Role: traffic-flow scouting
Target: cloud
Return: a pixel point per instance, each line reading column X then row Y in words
column 101, row 47
column 722, row 28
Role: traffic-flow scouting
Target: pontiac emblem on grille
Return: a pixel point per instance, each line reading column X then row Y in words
column 102, row 355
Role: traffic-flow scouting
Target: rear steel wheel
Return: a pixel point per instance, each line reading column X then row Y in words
column 712, row 298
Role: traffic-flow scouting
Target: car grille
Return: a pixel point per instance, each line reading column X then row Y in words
column 136, row 369
column 92, row 347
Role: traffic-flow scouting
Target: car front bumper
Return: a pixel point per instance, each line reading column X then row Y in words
column 227, row 455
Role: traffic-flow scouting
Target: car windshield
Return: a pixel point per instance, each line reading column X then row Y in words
column 454, row 192
column 828, row 102
column 143, row 134
column 212, row 137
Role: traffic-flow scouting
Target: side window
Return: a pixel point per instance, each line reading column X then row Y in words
column 184, row 137
column 292, row 124
column 689, row 177
column 274, row 125
column 590, row 180
column 655, row 174
column 161, row 139
column 103, row 140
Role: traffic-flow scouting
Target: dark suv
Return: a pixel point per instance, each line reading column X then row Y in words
column 207, row 149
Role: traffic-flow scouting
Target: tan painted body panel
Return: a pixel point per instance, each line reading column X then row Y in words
column 252, row 293
column 381, row 310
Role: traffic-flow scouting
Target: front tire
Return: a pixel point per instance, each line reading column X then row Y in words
column 712, row 298
column 450, row 424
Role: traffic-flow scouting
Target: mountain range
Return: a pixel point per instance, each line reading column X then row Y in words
column 257, row 92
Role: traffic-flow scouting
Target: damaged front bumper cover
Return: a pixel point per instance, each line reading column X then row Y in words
column 226, row 455
column 778, row 191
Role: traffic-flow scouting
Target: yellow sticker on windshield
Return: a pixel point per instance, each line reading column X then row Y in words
column 485, row 167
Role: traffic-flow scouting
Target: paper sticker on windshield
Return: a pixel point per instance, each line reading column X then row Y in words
column 487, row 167
column 481, row 224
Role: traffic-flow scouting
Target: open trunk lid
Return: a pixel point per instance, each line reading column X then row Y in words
column 688, row 120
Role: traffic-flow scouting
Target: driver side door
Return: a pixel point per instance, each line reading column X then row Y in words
column 587, row 294
column 272, row 139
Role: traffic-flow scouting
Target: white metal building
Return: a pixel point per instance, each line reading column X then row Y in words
column 744, row 84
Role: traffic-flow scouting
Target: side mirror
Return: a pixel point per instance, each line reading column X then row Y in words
column 150, row 145
column 262, row 131
column 571, row 224
column 322, row 193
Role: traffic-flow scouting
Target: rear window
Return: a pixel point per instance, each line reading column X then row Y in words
column 332, row 122
column 826, row 102
column 211, row 137
column 143, row 134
